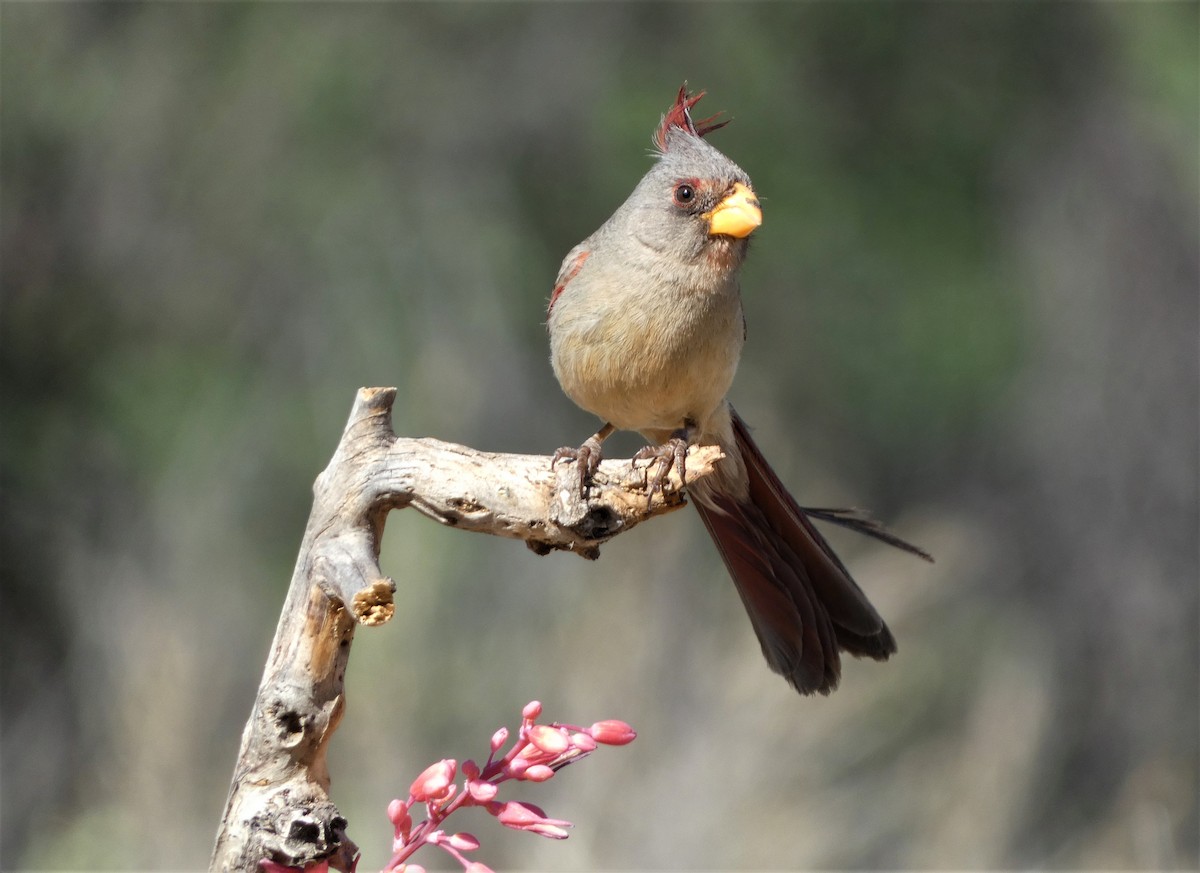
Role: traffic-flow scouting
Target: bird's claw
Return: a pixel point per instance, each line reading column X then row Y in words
column 587, row 457
column 672, row 453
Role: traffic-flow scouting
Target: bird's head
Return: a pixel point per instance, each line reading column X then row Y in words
column 694, row 203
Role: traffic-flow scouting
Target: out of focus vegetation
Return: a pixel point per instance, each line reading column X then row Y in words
column 972, row 308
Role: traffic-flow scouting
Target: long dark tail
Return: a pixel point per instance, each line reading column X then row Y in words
column 801, row 599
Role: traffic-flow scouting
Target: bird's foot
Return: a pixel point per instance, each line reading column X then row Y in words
column 587, row 457
column 672, row 453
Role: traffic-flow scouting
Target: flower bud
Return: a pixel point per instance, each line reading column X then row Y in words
column 527, row 817
column 612, row 732
column 538, row 773
column 499, row 738
column 436, row 783
column 514, row 814
column 532, row 710
column 464, row 842
column 481, row 791
column 401, row 821
column 552, row 741
column 551, row 831
column 583, row 743
column 397, row 811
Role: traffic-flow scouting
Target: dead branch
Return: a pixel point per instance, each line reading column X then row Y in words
column 278, row 806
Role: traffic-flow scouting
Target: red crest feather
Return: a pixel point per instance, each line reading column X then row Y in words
column 680, row 115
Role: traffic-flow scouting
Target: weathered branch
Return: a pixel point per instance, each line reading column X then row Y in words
column 278, row 806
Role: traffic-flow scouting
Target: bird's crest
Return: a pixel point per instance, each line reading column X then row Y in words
column 680, row 115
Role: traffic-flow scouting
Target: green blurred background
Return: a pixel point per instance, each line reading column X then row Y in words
column 972, row 308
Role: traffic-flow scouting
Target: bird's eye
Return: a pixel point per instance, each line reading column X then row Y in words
column 684, row 194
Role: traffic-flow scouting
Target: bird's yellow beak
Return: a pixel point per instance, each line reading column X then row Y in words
column 737, row 215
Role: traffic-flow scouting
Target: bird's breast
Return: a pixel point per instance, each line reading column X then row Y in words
column 646, row 358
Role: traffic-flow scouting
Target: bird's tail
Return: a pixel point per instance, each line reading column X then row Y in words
column 803, row 603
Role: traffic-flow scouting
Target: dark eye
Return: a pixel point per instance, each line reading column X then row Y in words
column 684, row 194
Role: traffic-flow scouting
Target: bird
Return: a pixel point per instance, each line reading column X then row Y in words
column 646, row 330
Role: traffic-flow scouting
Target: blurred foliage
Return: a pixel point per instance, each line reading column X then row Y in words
column 972, row 307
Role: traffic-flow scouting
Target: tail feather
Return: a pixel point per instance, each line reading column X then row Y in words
column 801, row 599
column 797, row 638
column 861, row 522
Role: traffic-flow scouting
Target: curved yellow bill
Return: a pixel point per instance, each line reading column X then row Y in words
column 737, row 215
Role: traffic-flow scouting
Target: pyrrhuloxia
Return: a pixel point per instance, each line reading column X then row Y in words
column 646, row 329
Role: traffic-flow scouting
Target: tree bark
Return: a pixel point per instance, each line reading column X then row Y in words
column 278, row 806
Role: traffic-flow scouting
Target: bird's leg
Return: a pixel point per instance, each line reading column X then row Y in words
column 672, row 453
column 587, row 456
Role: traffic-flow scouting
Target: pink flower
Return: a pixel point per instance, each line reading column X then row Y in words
column 552, row 741
column 436, row 783
column 401, row 819
column 397, row 811
column 612, row 732
column 527, row 817
column 584, row 743
column 537, row 755
column 538, row 773
column 499, row 738
column 481, row 791
column 464, row 842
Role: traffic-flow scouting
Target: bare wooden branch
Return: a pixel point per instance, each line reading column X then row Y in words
column 278, row 806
